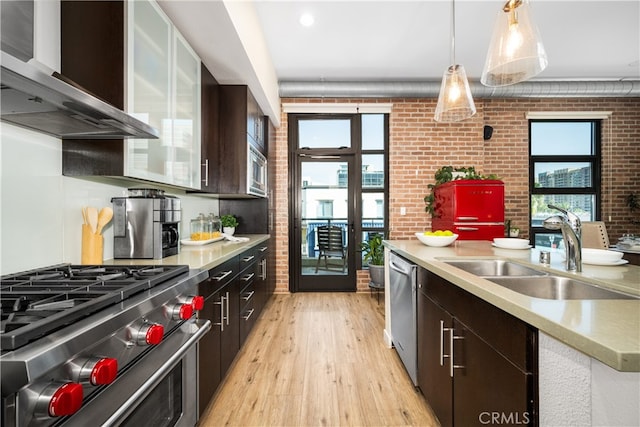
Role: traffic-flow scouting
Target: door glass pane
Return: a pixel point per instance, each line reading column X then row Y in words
column 372, row 131
column 561, row 138
column 579, row 204
column 334, row 133
column 324, row 217
column 563, row 175
column 373, row 171
column 373, row 210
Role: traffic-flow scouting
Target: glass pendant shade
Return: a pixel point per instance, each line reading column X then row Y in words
column 516, row 52
column 455, row 102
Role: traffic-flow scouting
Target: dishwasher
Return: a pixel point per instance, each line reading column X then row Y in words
column 403, row 295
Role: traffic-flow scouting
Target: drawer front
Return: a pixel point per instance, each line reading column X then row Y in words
column 247, row 259
column 224, row 273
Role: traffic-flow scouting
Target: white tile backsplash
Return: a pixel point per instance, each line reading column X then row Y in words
column 40, row 210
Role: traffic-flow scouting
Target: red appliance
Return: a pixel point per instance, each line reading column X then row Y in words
column 473, row 209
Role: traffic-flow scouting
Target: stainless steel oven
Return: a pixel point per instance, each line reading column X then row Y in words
column 256, row 172
column 160, row 392
column 101, row 346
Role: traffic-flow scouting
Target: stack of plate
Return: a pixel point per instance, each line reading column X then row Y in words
column 510, row 243
column 602, row 257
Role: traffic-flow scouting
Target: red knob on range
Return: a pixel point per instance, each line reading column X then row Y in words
column 104, row 371
column 197, row 302
column 66, row 400
column 154, row 334
column 185, row 311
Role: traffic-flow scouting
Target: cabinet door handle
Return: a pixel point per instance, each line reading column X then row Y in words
column 248, row 277
column 221, row 304
column 227, row 316
column 222, row 276
column 442, row 331
column 452, row 365
column 263, row 269
column 206, row 172
column 248, row 295
column 246, row 317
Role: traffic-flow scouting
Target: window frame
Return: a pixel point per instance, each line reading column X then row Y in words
column 595, row 160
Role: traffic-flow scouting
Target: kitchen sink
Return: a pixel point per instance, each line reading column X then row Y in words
column 557, row 288
column 494, row 267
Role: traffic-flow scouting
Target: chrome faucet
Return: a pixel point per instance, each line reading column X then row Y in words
column 570, row 225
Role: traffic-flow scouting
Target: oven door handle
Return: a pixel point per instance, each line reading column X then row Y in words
column 203, row 327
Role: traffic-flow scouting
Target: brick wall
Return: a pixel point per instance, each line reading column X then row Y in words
column 418, row 146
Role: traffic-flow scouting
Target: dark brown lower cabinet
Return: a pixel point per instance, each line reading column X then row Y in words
column 235, row 293
column 477, row 365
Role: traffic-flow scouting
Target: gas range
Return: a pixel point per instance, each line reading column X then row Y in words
column 69, row 331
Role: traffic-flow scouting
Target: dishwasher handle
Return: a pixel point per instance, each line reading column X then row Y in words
column 399, row 269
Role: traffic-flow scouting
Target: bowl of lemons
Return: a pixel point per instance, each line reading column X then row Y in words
column 437, row 238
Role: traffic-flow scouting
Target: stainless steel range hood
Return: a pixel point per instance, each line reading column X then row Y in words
column 33, row 99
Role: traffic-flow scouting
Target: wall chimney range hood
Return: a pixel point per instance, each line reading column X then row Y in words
column 33, row 99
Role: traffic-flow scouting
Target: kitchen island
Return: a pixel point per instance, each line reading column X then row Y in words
column 588, row 350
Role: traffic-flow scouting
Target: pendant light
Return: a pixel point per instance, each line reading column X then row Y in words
column 516, row 52
column 455, row 102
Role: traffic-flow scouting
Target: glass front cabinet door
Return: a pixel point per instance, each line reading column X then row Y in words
column 163, row 90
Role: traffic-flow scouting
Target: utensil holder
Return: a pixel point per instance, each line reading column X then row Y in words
column 92, row 246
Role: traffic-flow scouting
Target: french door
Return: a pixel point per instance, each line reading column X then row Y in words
column 323, row 224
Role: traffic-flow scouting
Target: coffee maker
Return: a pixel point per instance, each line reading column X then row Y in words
column 146, row 225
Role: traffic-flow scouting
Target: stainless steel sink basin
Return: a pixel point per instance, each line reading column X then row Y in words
column 494, row 267
column 557, row 288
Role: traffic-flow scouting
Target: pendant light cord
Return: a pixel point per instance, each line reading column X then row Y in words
column 453, row 32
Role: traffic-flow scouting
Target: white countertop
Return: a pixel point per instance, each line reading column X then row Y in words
column 607, row 330
column 203, row 257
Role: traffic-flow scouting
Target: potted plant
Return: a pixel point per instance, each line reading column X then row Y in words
column 229, row 224
column 450, row 173
column 373, row 254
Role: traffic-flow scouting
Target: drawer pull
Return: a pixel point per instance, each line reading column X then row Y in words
column 222, row 276
column 248, row 277
column 248, row 315
column 248, row 295
column 248, row 258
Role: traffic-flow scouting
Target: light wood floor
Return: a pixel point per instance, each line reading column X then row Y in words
column 318, row 359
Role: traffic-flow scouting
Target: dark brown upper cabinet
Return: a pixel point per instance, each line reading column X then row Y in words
column 241, row 168
column 131, row 55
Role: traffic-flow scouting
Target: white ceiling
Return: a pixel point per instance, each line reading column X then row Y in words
column 261, row 43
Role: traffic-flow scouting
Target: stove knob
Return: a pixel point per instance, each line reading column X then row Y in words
column 197, row 302
column 104, row 371
column 59, row 399
column 94, row 370
column 181, row 311
column 150, row 334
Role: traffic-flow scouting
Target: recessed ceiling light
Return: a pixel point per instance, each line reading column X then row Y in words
column 306, row 19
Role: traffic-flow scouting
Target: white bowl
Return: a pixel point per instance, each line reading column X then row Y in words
column 511, row 243
column 436, row 240
column 600, row 255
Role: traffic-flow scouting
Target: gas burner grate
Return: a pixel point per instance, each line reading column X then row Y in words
column 38, row 302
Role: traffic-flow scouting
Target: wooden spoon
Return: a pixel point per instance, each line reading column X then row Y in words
column 92, row 218
column 84, row 215
column 104, row 216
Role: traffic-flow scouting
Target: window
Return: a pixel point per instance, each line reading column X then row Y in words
column 564, row 171
column 374, row 176
column 325, row 209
